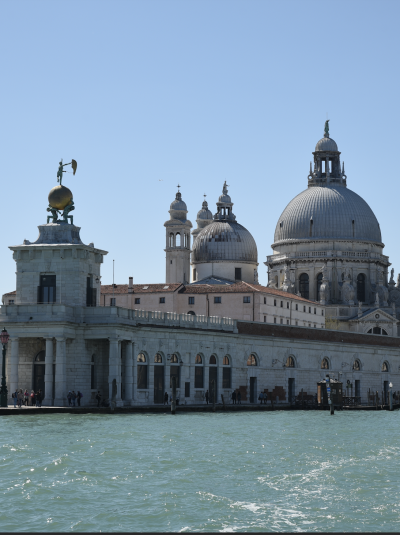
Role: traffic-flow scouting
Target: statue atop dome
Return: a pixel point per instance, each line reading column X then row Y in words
column 326, row 129
column 60, row 197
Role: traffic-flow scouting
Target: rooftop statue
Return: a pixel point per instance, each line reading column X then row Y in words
column 326, row 129
column 60, row 171
column 60, row 197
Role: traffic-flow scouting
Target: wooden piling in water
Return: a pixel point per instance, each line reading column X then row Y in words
column 173, row 402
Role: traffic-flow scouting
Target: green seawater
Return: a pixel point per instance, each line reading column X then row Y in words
column 276, row 471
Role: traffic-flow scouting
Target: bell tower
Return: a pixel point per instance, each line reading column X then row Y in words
column 178, row 242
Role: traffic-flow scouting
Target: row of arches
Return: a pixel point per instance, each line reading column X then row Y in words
column 178, row 240
column 356, row 366
column 304, row 286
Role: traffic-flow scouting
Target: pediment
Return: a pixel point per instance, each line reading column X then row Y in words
column 377, row 315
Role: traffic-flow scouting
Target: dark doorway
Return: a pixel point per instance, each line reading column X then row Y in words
column 158, row 384
column 253, row 389
column 187, row 390
column 212, row 376
column 357, row 388
column 174, row 371
column 38, row 373
column 385, row 391
column 291, row 390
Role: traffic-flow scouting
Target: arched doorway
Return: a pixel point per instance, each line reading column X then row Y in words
column 158, row 379
column 213, row 378
column 38, row 373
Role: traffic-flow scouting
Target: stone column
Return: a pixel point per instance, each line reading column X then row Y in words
column 114, row 367
column 61, row 373
column 134, row 358
column 128, row 372
column 48, row 373
column 14, row 360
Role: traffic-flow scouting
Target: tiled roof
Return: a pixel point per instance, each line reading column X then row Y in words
column 11, row 293
column 139, row 288
column 237, row 287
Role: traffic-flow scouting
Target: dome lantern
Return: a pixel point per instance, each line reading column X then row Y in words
column 327, row 169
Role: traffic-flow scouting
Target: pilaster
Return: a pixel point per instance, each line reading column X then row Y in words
column 48, row 373
column 61, row 373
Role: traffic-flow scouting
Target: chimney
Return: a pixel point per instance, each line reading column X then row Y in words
column 130, row 285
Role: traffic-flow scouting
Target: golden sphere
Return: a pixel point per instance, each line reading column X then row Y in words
column 60, row 197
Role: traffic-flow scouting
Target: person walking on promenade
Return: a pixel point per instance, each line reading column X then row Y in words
column 69, row 397
column 261, row 397
column 26, row 397
column 33, row 401
column 14, row 396
column 39, row 398
column 207, row 397
column 239, row 398
column 234, row 398
column 73, row 398
column 79, row 395
column 20, row 398
column 166, row 398
column 98, row 398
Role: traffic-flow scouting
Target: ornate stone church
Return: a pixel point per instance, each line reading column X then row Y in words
column 328, row 248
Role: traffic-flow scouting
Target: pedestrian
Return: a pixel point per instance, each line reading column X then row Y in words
column 207, row 395
column 79, row 395
column 39, row 396
column 234, row 398
column 33, row 400
column 166, row 398
column 26, row 397
column 73, row 398
column 261, row 397
column 98, row 398
column 20, row 398
column 239, row 398
column 69, row 397
column 14, row 396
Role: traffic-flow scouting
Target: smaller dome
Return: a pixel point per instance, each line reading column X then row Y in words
column 204, row 213
column 178, row 204
column 225, row 199
column 326, row 144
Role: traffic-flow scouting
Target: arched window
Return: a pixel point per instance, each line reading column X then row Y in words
column 361, row 287
column 213, row 360
column 319, row 282
column 174, row 359
column 177, row 240
column 290, row 362
column 377, row 330
column 92, row 374
column 171, row 240
column 198, row 372
column 385, row 367
column 174, row 371
column 40, row 357
column 225, row 361
column 304, row 286
column 191, row 313
column 252, row 361
column 325, row 364
column 158, row 358
column 356, row 365
column 142, row 371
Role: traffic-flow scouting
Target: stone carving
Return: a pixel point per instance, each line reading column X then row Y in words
column 255, row 276
column 391, row 275
column 324, row 290
column 67, row 210
column 287, row 285
column 348, row 291
column 382, row 291
column 326, row 129
column 394, row 296
column 398, row 281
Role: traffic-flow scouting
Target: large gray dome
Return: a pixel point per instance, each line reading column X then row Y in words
column 333, row 210
column 224, row 241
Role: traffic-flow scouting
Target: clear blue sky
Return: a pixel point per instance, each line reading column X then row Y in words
column 146, row 94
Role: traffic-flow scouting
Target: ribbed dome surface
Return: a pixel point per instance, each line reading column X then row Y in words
column 332, row 210
column 224, row 240
column 178, row 205
column 204, row 214
column 326, row 144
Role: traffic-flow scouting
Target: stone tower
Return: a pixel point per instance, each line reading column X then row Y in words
column 178, row 243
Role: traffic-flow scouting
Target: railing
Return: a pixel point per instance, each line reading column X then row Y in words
column 350, row 401
column 109, row 315
column 324, row 254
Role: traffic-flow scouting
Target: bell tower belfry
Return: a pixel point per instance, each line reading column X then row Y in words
column 178, row 242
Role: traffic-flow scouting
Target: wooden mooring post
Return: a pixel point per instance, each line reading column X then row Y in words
column 223, row 401
column 214, row 396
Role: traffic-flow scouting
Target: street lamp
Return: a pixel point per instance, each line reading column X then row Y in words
column 4, row 336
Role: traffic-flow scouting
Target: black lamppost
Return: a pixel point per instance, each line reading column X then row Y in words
column 4, row 336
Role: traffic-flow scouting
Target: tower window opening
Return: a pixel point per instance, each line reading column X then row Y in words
column 177, row 240
column 323, row 166
column 171, row 240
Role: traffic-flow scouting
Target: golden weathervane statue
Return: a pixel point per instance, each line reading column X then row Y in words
column 60, row 197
